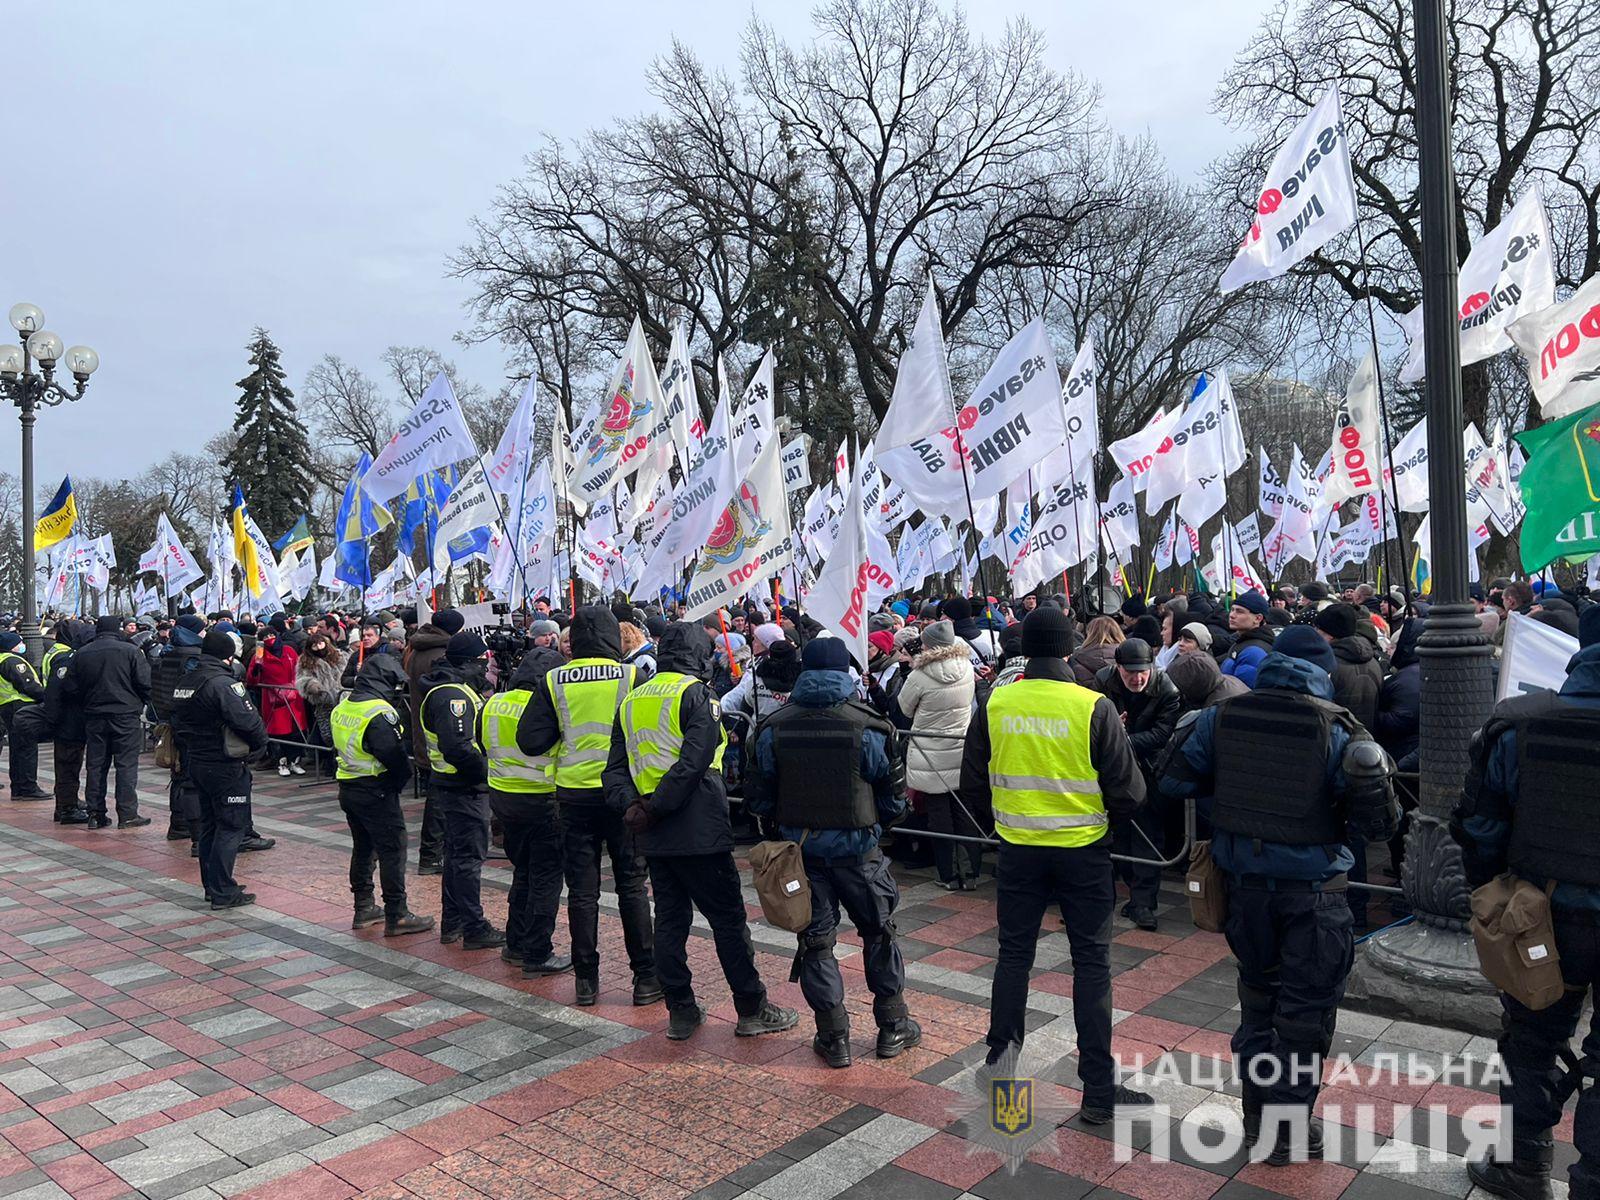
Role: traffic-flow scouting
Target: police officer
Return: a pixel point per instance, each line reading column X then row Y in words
column 217, row 731
column 826, row 769
column 665, row 771
column 1286, row 778
column 374, row 763
column 64, row 720
column 523, row 797
column 182, row 656
column 1528, row 807
column 20, row 693
column 1053, row 762
column 571, row 718
column 452, row 694
column 110, row 680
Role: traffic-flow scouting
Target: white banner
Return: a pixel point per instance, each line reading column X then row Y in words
column 434, row 435
column 796, row 467
column 1205, row 441
column 1562, row 346
column 1309, row 197
column 753, row 425
column 1509, row 274
column 922, row 402
column 1270, row 489
column 170, row 560
column 839, row 598
column 471, row 505
column 1408, row 464
column 750, row 543
column 1135, row 453
column 1534, row 659
column 617, row 441
column 1357, row 443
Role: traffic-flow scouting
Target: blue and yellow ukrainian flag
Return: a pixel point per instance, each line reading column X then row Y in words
column 423, row 500
column 244, row 546
column 1421, row 573
column 359, row 519
column 60, row 515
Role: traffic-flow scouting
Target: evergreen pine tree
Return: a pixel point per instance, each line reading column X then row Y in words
column 271, row 459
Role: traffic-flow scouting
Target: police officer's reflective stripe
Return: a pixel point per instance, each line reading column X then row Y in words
column 50, row 656
column 436, row 759
column 1041, row 770
column 1066, row 821
column 509, row 769
column 655, row 746
column 1042, row 783
column 348, row 723
column 8, row 692
column 586, row 694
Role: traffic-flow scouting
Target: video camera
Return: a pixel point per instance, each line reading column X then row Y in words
column 507, row 644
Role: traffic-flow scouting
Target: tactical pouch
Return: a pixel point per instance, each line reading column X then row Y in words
column 166, row 751
column 1207, row 887
column 1516, row 940
column 779, row 875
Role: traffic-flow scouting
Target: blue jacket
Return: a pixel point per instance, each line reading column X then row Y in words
column 1483, row 822
column 824, row 689
column 1249, row 651
column 1238, row 855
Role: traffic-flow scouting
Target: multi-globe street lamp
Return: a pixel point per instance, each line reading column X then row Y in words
column 28, row 380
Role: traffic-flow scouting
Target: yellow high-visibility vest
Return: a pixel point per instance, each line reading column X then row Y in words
column 348, row 723
column 510, row 770
column 1046, row 791
column 8, row 692
column 586, row 694
column 652, row 725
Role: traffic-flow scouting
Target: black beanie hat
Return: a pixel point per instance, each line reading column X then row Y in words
column 1338, row 621
column 1046, row 633
column 191, row 623
column 448, row 620
column 109, row 623
column 825, row 654
column 1134, row 606
column 219, row 643
column 956, row 608
column 464, row 648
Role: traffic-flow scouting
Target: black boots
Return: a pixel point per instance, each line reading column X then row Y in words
column 770, row 1019
column 406, row 922
column 1518, row 1180
column 366, row 914
column 832, row 1042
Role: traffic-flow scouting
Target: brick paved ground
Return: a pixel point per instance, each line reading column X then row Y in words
column 150, row 1047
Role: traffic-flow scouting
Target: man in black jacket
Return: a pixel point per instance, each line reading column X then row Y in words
column 110, row 680
column 423, row 652
column 64, row 720
column 1357, row 674
column 374, row 764
column 217, row 731
column 20, row 693
column 1149, row 704
column 665, row 771
column 457, row 777
column 182, row 656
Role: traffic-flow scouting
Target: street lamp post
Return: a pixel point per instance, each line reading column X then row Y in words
column 27, row 379
column 1430, row 967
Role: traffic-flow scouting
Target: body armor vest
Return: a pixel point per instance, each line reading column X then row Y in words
column 1555, row 815
column 817, row 752
column 1271, row 751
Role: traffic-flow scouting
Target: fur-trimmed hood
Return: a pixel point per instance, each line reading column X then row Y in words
column 937, row 654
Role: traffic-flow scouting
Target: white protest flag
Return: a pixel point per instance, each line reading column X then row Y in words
column 1309, row 198
column 1535, row 658
column 1509, row 274
column 564, row 460
column 1249, row 531
column 922, row 402
column 682, row 404
column 1013, row 419
column 815, row 537
column 1562, row 346
column 434, row 435
column 1270, row 489
column 699, row 503
column 98, row 559
column 614, row 443
column 796, row 465
column 1119, row 517
column 1135, row 453
column 1357, row 444
column 168, row 558
column 509, row 466
column 1294, row 536
column 219, row 549
column 1167, row 543
column 1408, row 466
column 1081, row 399
column 1204, row 442
column 911, row 557
column 471, row 505
column 145, row 601
column 305, row 576
column 893, row 508
column 1186, row 547
column 839, row 598
column 268, row 592
column 1232, row 565
column 753, row 426
column 841, row 469
column 290, row 574
column 1505, row 501
column 750, row 543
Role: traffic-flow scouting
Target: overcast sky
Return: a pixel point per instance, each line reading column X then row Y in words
column 179, row 174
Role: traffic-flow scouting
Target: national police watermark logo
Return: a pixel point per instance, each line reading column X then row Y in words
column 1011, row 1106
column 458, row 708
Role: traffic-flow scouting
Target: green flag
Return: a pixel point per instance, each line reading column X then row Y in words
column 1561, row 488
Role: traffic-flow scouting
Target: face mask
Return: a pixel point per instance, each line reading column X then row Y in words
column 475, row 675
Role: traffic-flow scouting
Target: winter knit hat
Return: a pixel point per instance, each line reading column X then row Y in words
column 939, row 633
column 464, row 648
column 1304, row 642
column 825, row 654
column 448, row 620
column 1046, row 633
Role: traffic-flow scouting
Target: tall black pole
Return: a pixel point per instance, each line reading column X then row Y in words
column 1430, row 966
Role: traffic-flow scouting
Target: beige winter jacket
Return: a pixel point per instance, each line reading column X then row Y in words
column 937, row 698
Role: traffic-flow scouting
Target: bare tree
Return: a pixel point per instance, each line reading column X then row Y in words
column 349, row 410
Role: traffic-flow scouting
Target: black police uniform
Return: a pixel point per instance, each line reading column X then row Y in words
column 1529, row 807
column 208, row 705
column 64, row 718
column 25, row 725
column 183, row 800
column 372, row 805
column 462, row 799
column 110, row 679
column 532, row 826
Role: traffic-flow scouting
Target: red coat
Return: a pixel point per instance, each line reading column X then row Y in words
column 281, row 706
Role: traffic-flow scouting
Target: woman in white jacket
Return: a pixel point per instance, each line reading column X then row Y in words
column 937, row 699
